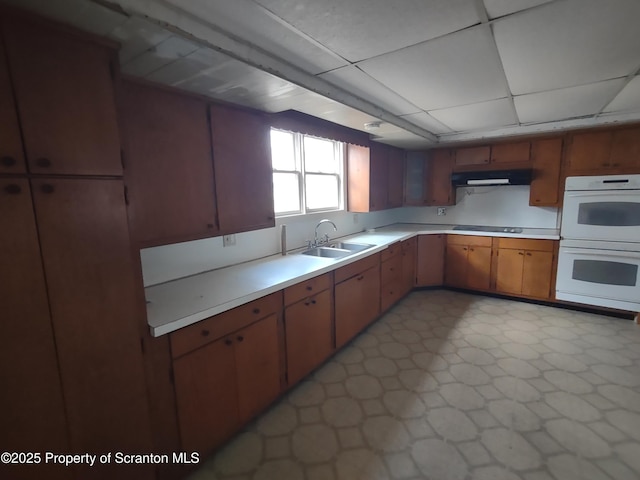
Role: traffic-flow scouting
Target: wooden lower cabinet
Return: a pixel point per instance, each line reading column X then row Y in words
column 468, row 262
column 356, row 301
column 430, row 260
column 409, row 256
column 524, row 267
column 224, row 384
column 391, row 287
column 309, row 334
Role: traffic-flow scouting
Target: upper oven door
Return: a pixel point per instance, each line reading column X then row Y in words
column 599, row 273
column 605, row 215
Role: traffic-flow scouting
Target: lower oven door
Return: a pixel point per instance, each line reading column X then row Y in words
column 595, row 276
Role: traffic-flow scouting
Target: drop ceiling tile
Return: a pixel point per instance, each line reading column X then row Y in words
column 172, row 49
column 458, row 69
column 500, row 8
column 569, row 43
column 484, row 115
column 628, row 99
column 136, row 37
column 566, row 103
column 184, row 68
column 362, row 85
column 426, row 121
column 247, row 20
column 360, row 29
column 404, row 139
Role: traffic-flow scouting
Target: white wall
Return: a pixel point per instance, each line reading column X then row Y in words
column 504, row 206
column 491, row 206
column 168, row 262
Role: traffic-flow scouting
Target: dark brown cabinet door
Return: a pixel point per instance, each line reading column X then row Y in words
column 395, row 178
column 356, row 304
column 430, row 261
column 545, row 185
column 34, row 419
column 11, row 156
column 509, row 271
column 625, row 150
column 379, row 177
column 64, row 93
column 439, row 188
column 479, row 268
column 415, row 190
column 207, row 401
column 309, row 335
column 169, row 168
column 537, row 274
column 589, row 151
column 257, row 354
column 409, row 254
column 456, row 265
column 242, row 164
column 88, row 267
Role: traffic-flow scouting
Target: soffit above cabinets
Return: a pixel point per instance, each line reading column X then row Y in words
column 430, row 70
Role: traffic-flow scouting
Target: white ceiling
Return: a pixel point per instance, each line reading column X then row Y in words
column 431, row 70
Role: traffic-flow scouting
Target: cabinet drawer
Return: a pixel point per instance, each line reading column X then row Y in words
column 469, row 240
column 526, row 244
column 307, row 288
column 390, row 251
column 391, row 270
column 210, row 329
column 355, row 268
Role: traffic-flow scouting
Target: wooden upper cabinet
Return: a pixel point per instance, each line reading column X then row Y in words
column 169, row 167
column 589, row 151
column 379, row 177
column 358, row 178
column 242, row 164
column 545, row 185
column 64, row 93
column 472, row 156
column 439, row 188
column 395, row 168
column 84, row 239
column 625, row 148
column 518, row 152
column 415, row 187
column 28, row 362
column 11, row 154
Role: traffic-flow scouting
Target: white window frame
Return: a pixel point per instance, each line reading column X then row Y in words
column 299, row 157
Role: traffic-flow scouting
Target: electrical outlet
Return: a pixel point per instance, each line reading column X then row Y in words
column 228, row 240
column 442, row 211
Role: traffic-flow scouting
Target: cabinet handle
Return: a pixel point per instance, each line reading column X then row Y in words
column 615, row 164
column 47, row 188
column 520, row 253
column 360, row 277
column 8, row 161
column 309, row 287
column 270, row 217
column 256, row 311
column 391, row 269
column 205, row 333
column 228, row 341
column 471, row 250
column 528, row 254
column 313, row 301
column 12, row 189
column 464, row 248
column 209, row 225
column 43, row 162
column 240, row 338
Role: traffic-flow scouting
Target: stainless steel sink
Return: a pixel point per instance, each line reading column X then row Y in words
column 337, row 250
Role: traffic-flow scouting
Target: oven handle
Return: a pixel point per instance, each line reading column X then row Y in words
column 607, row 193
column 600, row 253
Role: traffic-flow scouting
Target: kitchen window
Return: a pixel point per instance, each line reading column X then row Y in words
column 307, row 173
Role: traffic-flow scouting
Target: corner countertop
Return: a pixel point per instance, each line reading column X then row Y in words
column 185, row 301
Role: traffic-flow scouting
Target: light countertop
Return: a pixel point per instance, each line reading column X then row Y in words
column 182, row 302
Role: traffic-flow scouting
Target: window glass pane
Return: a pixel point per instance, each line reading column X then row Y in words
column 282, row 151
column 322, row 191
column 319, row 155
column 605, row 272
column 610, row 214
column 286, row 192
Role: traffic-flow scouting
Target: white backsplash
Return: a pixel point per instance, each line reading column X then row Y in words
column 504, row 206
column 168, row 262
column 491, row 206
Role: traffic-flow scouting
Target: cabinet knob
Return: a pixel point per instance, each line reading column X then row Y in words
column 313, row 302
column 47, row 188
column 472, row 250
column 43, row 162
column 528, row 254
column 309, row 287
column 228, row 341
column 360, row 277
column 8, row 161
column 12, row 189
column 209, row 225
column 464, row 248
column 205, row 333
column 256, row 311
column 270, row 217
column 520, row 253
column 240, row 338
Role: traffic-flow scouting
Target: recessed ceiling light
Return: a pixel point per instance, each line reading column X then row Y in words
column 372, row 125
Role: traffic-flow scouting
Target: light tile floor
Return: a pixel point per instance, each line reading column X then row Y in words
column 454, row 386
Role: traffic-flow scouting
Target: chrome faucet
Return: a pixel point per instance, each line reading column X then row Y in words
column 325, row 241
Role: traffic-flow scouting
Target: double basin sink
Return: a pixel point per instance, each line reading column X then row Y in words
column 337, row 249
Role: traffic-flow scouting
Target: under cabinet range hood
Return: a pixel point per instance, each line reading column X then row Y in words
column 491, row 177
